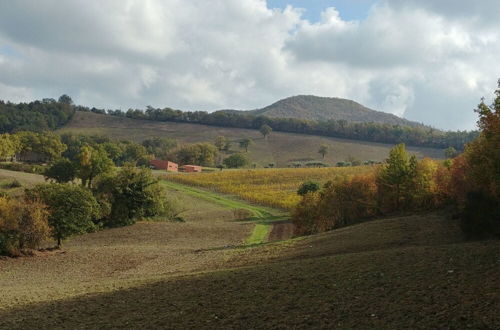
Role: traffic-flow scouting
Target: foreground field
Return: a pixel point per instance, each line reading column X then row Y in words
column 276, row 149
column 271, row 187
column 408, row 272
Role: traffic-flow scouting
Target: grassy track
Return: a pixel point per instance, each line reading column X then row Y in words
column 263, row 216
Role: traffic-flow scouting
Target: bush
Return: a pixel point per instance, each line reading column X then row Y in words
column 307, row 187
column 236, row 160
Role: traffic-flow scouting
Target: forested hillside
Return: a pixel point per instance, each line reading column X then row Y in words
column 47, row 114
column 312, row 107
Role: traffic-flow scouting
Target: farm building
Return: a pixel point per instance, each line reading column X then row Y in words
column 190, row 168
column 164, row 165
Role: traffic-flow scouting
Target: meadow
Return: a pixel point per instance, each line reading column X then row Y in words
column 271, row 187
column 277, row 148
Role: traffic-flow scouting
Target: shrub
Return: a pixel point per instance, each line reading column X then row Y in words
column 308, row 186
column 23, row 225
column 236, row 160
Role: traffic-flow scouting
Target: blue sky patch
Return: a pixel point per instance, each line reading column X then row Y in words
column 349, row 9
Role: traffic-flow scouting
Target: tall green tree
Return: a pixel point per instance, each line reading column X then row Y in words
column 131, row 194
column 72, row 208
column 396, row 174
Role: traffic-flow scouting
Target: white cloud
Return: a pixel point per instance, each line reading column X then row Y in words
column 428, row 61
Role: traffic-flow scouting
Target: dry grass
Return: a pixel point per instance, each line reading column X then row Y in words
column 279, row 148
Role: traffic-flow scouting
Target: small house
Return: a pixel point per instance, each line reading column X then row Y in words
column 190, row 168
column 164, row 165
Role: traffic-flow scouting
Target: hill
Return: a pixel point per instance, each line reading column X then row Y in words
column 311, row 107
column 280, row 148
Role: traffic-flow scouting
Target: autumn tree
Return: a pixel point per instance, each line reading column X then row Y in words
column 8, row 146
column 92, row 162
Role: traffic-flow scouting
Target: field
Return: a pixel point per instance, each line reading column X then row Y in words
column 9, row 180
column 408, row 272
column 213, row 271
column 276, row 149
column 271, row 187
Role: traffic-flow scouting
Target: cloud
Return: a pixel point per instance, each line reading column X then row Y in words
column 423, row 60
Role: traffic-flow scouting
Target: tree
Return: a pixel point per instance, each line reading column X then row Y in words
column 245, row 143
column 92, row 162
column 62, row 171
column 480, row 182
column 323, row 150
column 450, row 152
column 72, row 208
column 8, row 146
column 307, row 187
column 203, row 154
column 397, row 172
column 131, row 194
column 265, row 130
column 23, row 224
column 65, row 99
column 220, row 142
column 160, row 147
column 236, row 160
column 47, row 145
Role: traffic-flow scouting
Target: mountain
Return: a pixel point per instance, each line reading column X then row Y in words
column 325, row 108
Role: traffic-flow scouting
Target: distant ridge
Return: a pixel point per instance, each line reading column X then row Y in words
column 318, row 108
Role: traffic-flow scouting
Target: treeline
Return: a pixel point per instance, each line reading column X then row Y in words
column 470, row 183
column 36, row 116
column 48, row 147
column 374, row 132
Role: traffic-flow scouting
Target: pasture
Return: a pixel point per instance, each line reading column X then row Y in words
column 277, row 149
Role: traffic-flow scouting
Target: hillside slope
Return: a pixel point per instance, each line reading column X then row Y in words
column 325, row 108
column 280, row 148
column 402, row 273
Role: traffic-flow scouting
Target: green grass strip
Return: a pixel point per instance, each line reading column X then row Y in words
column 259, row 213
column 259, row 234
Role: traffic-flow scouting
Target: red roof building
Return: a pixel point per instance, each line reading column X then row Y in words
column 164, row 165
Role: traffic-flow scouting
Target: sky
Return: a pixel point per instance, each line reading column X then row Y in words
column 425, row 60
